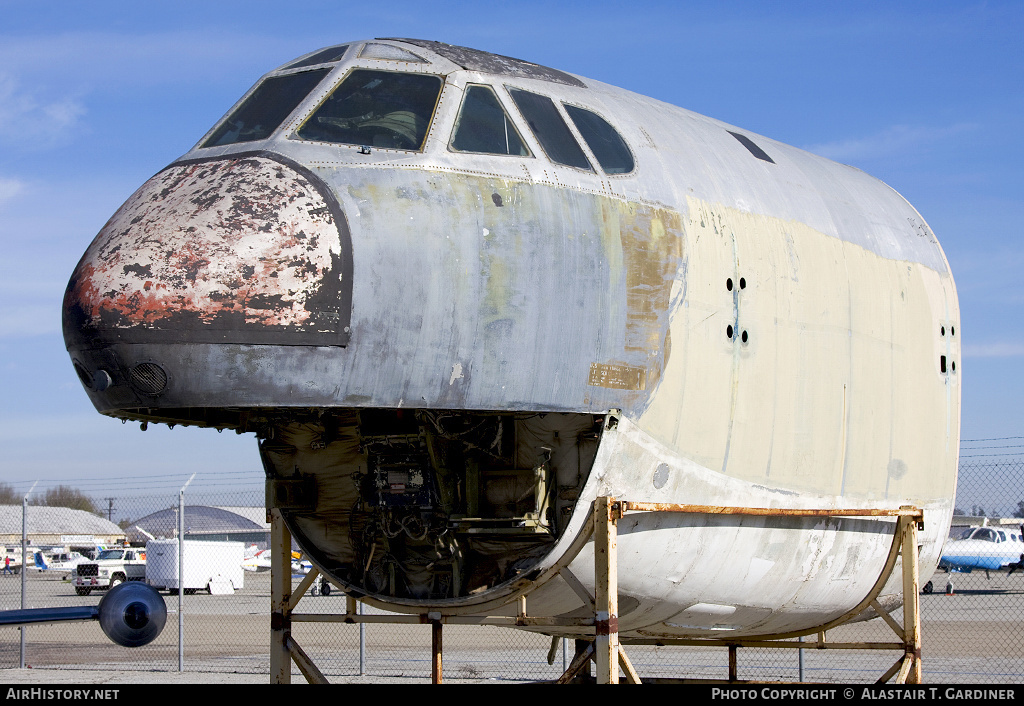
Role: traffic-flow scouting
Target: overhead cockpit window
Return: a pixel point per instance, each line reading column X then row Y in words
column 751, row 146
column 551, row 131
column 376, row 108
column 475, row 60
column 266, row 108
column 387, row 52
column 485, row 127
column 603, row 140
column 324, row 56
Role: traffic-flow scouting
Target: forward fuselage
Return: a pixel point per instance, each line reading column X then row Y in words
column 771, row 328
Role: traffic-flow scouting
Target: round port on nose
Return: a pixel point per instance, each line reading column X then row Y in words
column 101, row 380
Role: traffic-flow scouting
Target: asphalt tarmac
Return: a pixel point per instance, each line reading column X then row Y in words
column 969, row 636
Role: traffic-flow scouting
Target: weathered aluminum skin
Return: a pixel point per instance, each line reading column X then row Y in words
column 778, row 334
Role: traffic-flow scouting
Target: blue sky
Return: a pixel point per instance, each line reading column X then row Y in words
column 96, row 97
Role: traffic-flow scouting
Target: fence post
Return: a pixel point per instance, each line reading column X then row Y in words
column 800, row 660
column 181, row 574
column 362, row 641
column 24, row 563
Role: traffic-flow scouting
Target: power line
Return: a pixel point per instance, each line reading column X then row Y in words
column 998, row 438
column 157, row 480
column 1010, row 446
column 159, row 476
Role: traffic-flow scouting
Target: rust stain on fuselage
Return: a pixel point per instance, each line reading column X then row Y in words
column 650, row 239
column 226, row 243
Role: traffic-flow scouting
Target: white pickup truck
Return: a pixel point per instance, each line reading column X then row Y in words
column 111, row 567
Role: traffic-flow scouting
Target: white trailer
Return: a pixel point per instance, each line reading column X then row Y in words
column 211, row 566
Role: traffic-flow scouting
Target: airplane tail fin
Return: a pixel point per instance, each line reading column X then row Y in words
column 40, row 561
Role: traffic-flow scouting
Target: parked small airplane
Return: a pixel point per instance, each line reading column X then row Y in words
column 986, row 548
column 256, row 560
column 58, row 561
column 260, row 561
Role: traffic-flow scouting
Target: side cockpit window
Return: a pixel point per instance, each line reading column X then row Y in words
column 484, row 126
column 266, row 108
column 604, row 141
column 551, row 131
column 377, row 109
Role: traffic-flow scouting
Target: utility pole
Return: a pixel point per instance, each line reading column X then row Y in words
column 110, row 509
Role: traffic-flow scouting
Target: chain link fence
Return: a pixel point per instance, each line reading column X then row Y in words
column 971, row 632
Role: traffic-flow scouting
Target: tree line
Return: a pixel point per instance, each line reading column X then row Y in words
column 58, row 496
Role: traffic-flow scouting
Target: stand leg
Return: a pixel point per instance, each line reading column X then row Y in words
column 911, row 600
column 606, row 628
column 435, row 635
column 280, row 598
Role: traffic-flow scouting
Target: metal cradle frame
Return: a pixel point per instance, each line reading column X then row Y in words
column 607, row 649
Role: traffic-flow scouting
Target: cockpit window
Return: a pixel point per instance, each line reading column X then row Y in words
column 324, row 56
column 484, row 126
column 986, row 535
column 376, row 108
column 387, row 52
column 551, row 131
column 266, row 108
column 603, row 140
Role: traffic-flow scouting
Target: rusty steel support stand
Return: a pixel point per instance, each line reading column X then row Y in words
column 606, row 625
column 436, row 646
column 911, row 603
column 909, row 520
column 280, row 600
column 579, row 669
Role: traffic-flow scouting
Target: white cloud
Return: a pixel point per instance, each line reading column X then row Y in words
column 29, row 119
column 10, row 188
column 894, row 140
column 994, row 350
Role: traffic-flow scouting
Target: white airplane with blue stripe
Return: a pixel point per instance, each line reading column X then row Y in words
column 986, row 548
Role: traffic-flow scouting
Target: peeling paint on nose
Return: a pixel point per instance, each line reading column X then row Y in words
column 248, row 249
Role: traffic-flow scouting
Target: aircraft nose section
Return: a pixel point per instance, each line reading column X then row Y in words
column 238, row 249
